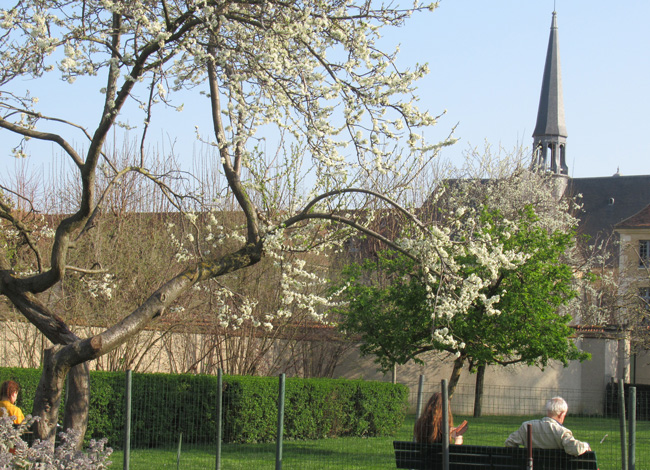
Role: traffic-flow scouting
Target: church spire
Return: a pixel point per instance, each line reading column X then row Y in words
column 549, row 138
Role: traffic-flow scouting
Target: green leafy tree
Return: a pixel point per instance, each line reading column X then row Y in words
column 516, row 318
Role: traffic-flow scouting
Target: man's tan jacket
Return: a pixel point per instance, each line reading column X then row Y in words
column 548, row 434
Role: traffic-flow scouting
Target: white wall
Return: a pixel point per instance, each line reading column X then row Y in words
column 515, row 389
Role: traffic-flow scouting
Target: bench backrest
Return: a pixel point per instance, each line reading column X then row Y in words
column 429, row 457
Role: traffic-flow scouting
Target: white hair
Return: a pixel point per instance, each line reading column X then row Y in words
column 556, row 406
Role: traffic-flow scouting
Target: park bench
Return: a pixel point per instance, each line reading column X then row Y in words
column 467, row 457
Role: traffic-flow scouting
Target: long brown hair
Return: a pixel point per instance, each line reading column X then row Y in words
column 428, row 427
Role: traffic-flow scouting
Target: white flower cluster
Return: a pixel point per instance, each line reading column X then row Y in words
column 235, row 311
column 206, row 236
column 302, row 289
column 10, row 234
column 445, row 336
column 102, row 287
column 439, row 252
column 182, row 253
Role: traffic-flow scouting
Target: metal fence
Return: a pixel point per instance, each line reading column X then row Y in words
column 178, row 444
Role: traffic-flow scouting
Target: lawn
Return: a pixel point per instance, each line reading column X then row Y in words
column 377, row 453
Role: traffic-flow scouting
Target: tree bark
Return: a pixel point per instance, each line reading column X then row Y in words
column 478, row 392
column 47, row 398
column 77, row 402
column 455, row 374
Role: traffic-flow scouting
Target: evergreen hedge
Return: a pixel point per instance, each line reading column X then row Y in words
column 163, row 405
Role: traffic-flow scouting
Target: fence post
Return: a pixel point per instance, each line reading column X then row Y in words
column 127, row 421
column 529, row 446
column 278, row 448
column 632, row 433
column 219, row 417
column 621, row 414
column 418, row 406
column 178, row 451
column 445, row 425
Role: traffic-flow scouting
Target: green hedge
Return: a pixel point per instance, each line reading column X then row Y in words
column 163, row 405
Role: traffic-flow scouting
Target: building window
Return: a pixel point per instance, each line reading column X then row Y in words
column 644, row 253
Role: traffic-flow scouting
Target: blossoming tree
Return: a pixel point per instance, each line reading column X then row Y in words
column 501, row 284
column 309, row 71
column 515, row 314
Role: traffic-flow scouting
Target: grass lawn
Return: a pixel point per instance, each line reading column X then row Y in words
column 377, row 453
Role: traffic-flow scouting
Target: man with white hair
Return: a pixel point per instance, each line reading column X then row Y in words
column 548, row 432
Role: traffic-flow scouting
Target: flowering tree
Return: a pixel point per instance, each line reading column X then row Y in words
column 512, row 309
column 496, row 273
column 311, row 72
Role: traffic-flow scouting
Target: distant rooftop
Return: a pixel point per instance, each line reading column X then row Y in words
column 639, row 220
column 609, row 200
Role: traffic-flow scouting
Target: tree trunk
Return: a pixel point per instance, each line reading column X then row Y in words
column 77, row 403
column 47, row 398
column 478, row 392
column 455, row 374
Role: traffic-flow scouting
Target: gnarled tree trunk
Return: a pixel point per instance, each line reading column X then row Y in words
column 77, row 402
column 47, row 398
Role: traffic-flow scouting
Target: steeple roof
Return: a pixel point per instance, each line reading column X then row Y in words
column 550, row 115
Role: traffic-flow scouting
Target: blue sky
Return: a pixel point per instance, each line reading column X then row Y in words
column 486, row 60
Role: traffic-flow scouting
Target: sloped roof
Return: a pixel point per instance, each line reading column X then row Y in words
column 639, row 220
column 608, row 201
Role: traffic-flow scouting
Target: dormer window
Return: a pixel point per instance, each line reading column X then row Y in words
column 644, row 253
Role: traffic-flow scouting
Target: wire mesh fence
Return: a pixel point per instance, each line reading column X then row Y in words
column 175, row 438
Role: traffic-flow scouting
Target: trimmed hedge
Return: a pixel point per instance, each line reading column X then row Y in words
column 165, row 404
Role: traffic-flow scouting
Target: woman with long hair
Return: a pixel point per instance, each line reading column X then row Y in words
column 428, row 427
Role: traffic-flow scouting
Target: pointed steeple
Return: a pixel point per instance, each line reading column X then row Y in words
column 549, row 138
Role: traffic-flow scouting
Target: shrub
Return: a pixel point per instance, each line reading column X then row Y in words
column 165, row 405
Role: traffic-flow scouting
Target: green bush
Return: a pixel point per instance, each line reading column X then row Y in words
column 318, row 408
column 314, row 408
column 165, row 405
column 106, row 413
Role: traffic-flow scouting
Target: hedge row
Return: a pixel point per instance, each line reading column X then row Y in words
column 163, row 405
